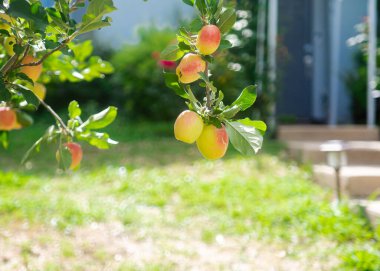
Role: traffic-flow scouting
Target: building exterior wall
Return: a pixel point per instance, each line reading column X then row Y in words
column 311, row 105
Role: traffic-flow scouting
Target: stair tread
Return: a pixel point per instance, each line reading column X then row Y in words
column 351, row 170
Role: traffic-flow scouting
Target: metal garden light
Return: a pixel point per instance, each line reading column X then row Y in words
column 335, row 157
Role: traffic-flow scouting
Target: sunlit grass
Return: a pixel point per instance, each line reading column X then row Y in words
column 158, row 189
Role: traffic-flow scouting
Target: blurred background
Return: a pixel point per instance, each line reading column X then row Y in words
column 152, row 203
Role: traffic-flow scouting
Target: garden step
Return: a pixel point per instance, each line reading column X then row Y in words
column 358, row 152
column 324, row 132
column 373, row 212
column 356, row 181
column 372, row 209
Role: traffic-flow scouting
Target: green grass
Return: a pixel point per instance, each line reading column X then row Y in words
column 171, row 204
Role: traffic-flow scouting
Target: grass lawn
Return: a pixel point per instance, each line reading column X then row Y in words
column 152, row 203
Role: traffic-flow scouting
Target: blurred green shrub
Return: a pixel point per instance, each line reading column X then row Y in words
column 138, row 81
column 356, row 80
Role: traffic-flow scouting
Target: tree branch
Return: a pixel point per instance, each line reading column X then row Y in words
column 39, row 62
column 55, row 115
column 208, row 98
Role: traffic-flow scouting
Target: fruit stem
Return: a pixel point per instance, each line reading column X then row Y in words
column 208, row 98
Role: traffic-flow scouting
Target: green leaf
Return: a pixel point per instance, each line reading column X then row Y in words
column 62, row 6
column 4, row 139
column 74, row 110
column 218, row 10
column 225, row 44
column 89, row 27
column 245, row 138
column 24, row 119
column 213, row 6
column 35, row 13
column 93, row 19
column 172, row 53
column 56, row 17
column 171, row 81
column 196, row 25
column 101, row 119
column 246, row 99
column 5, row 95
column 201, row 6
column 231, row 111
column 28, row 95
column 99, row 140
column 227, row 20
column 189, row 2
column 258, row 124
column 23, row 76
column 195, row 105
column 184, row 47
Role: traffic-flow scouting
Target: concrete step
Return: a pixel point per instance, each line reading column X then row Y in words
column 324, row 132
column 372, row 209
column 373, row 212
column 356, row 181
column 358, row 152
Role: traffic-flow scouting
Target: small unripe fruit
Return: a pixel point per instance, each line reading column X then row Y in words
column 213, row 142
column 208, row 39
column 8, row 45
column 188, row 127
column 39, row 90
column 76, row 154
column 33, row 72
column 189, row 68
column 8, row 119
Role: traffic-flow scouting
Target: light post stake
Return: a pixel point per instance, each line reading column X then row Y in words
column 336, row 158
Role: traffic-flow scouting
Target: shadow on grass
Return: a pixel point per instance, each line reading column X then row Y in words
column 140, row 145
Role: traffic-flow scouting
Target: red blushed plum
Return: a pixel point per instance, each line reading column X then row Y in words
column 33, row 72
column 208, row 39
column 189, row 68
column 213, row 142
column 76, row 154
column 188, row 127
column 8, row 119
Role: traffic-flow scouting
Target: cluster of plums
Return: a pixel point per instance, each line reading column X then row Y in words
column 212, row 142
column 208, row 41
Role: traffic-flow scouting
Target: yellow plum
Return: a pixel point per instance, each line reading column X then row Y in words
column 189, row 67
column 208, row 39
column 213, row 142
column 33, row 72
column 188, row 126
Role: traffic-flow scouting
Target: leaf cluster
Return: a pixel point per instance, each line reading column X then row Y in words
column 48, row 35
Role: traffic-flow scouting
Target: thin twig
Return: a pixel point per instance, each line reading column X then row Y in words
column 208, row 98
column 26, row 52
column 7, row 66
column 55, row 115
column 39, row 62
